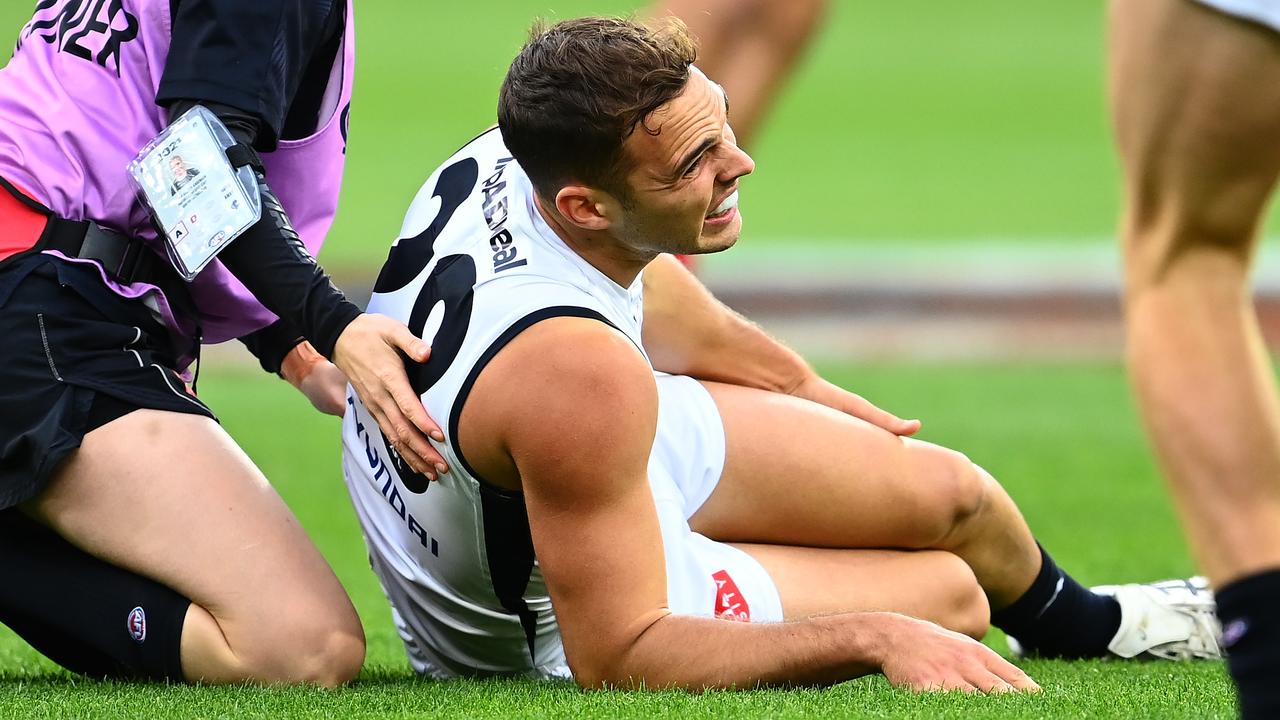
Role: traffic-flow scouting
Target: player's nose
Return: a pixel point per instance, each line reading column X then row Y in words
column 737, row 164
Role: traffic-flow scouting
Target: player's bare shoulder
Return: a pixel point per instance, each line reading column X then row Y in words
column 567, row 394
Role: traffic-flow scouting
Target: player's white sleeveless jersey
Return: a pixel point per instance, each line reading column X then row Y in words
column 475, row 265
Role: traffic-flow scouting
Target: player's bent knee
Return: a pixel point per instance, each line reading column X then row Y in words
column 954, row 493
column 971, row 611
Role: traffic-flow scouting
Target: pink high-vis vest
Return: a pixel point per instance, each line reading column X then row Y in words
column 77, row 103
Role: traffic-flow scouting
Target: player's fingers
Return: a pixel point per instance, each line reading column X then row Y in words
column 955, row 682
column 1014, row 675
column 1011, row 674
column 990, row 683
column 884, row 419
column 907, row 427
column 938, row 680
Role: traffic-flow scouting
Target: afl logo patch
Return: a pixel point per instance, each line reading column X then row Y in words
column 137, row 624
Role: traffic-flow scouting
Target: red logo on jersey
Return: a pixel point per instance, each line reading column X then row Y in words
column 730, row 605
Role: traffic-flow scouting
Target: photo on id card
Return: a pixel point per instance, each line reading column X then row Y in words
column 200, row 203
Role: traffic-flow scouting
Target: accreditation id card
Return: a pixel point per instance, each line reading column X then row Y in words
column 200, row 202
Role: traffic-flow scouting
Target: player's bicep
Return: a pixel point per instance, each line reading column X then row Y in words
column 583, row 463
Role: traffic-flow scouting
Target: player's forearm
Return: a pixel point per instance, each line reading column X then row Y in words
column 274, row 264
column 687, row 331
column 700, row 653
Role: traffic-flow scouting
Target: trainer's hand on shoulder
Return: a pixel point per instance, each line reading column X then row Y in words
column 369, row 352
column 925, row 657
column 814, row 388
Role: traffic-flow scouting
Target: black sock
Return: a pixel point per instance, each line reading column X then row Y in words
column 1250, row 612
column 1058, row 617
column 85, row 614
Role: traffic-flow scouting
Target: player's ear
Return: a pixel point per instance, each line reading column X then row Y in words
column 585, row 207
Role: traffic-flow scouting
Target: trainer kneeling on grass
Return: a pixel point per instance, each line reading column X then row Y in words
column 136, row 539
column 646, row 489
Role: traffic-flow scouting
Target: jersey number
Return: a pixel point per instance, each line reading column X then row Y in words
column 446, row 299
column 411, row 256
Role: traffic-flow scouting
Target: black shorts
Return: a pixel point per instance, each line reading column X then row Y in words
column 73, row 356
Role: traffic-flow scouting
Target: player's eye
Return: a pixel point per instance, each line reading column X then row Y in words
column 693, row 167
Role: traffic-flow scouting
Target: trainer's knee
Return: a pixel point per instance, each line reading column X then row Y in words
column 334, row 659
column 954, row 493
column 321, row 652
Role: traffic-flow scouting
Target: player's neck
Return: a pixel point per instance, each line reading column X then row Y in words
column 600, row 250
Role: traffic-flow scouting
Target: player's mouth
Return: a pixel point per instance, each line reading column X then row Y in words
column 725, row 211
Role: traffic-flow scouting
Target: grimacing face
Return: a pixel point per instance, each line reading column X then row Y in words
column 684, row 179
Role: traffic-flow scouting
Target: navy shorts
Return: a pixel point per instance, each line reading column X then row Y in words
column 73, row 356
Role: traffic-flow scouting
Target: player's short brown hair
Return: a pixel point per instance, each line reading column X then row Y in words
column 579, row 88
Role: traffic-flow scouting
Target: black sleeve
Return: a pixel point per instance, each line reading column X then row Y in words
column 272, row 343
column 249, row 54
column 273, row 263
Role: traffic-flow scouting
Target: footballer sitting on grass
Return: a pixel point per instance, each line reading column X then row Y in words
column 645, row 488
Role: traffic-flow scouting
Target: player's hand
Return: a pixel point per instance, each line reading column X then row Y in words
column 814, row 388
column 369, row 353
column 924, row 657
column 326, row 387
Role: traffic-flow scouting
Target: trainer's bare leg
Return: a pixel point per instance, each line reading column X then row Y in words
column 171, row 497
column 815, row 477
column 1196, row 103
column 749, row 47
column 927, row 584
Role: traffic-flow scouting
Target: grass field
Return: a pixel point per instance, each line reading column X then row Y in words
column 1062, row 438
column 911, row 124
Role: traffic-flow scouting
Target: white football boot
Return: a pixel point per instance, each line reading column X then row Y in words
column 1168, row 620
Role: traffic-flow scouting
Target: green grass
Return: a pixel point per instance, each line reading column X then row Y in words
column 911, row 123
column 1063, row 439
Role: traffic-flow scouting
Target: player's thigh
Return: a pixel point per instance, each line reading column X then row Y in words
column 172, row 497
column 1195, row 98
column 798, row 473
column 927, row 584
